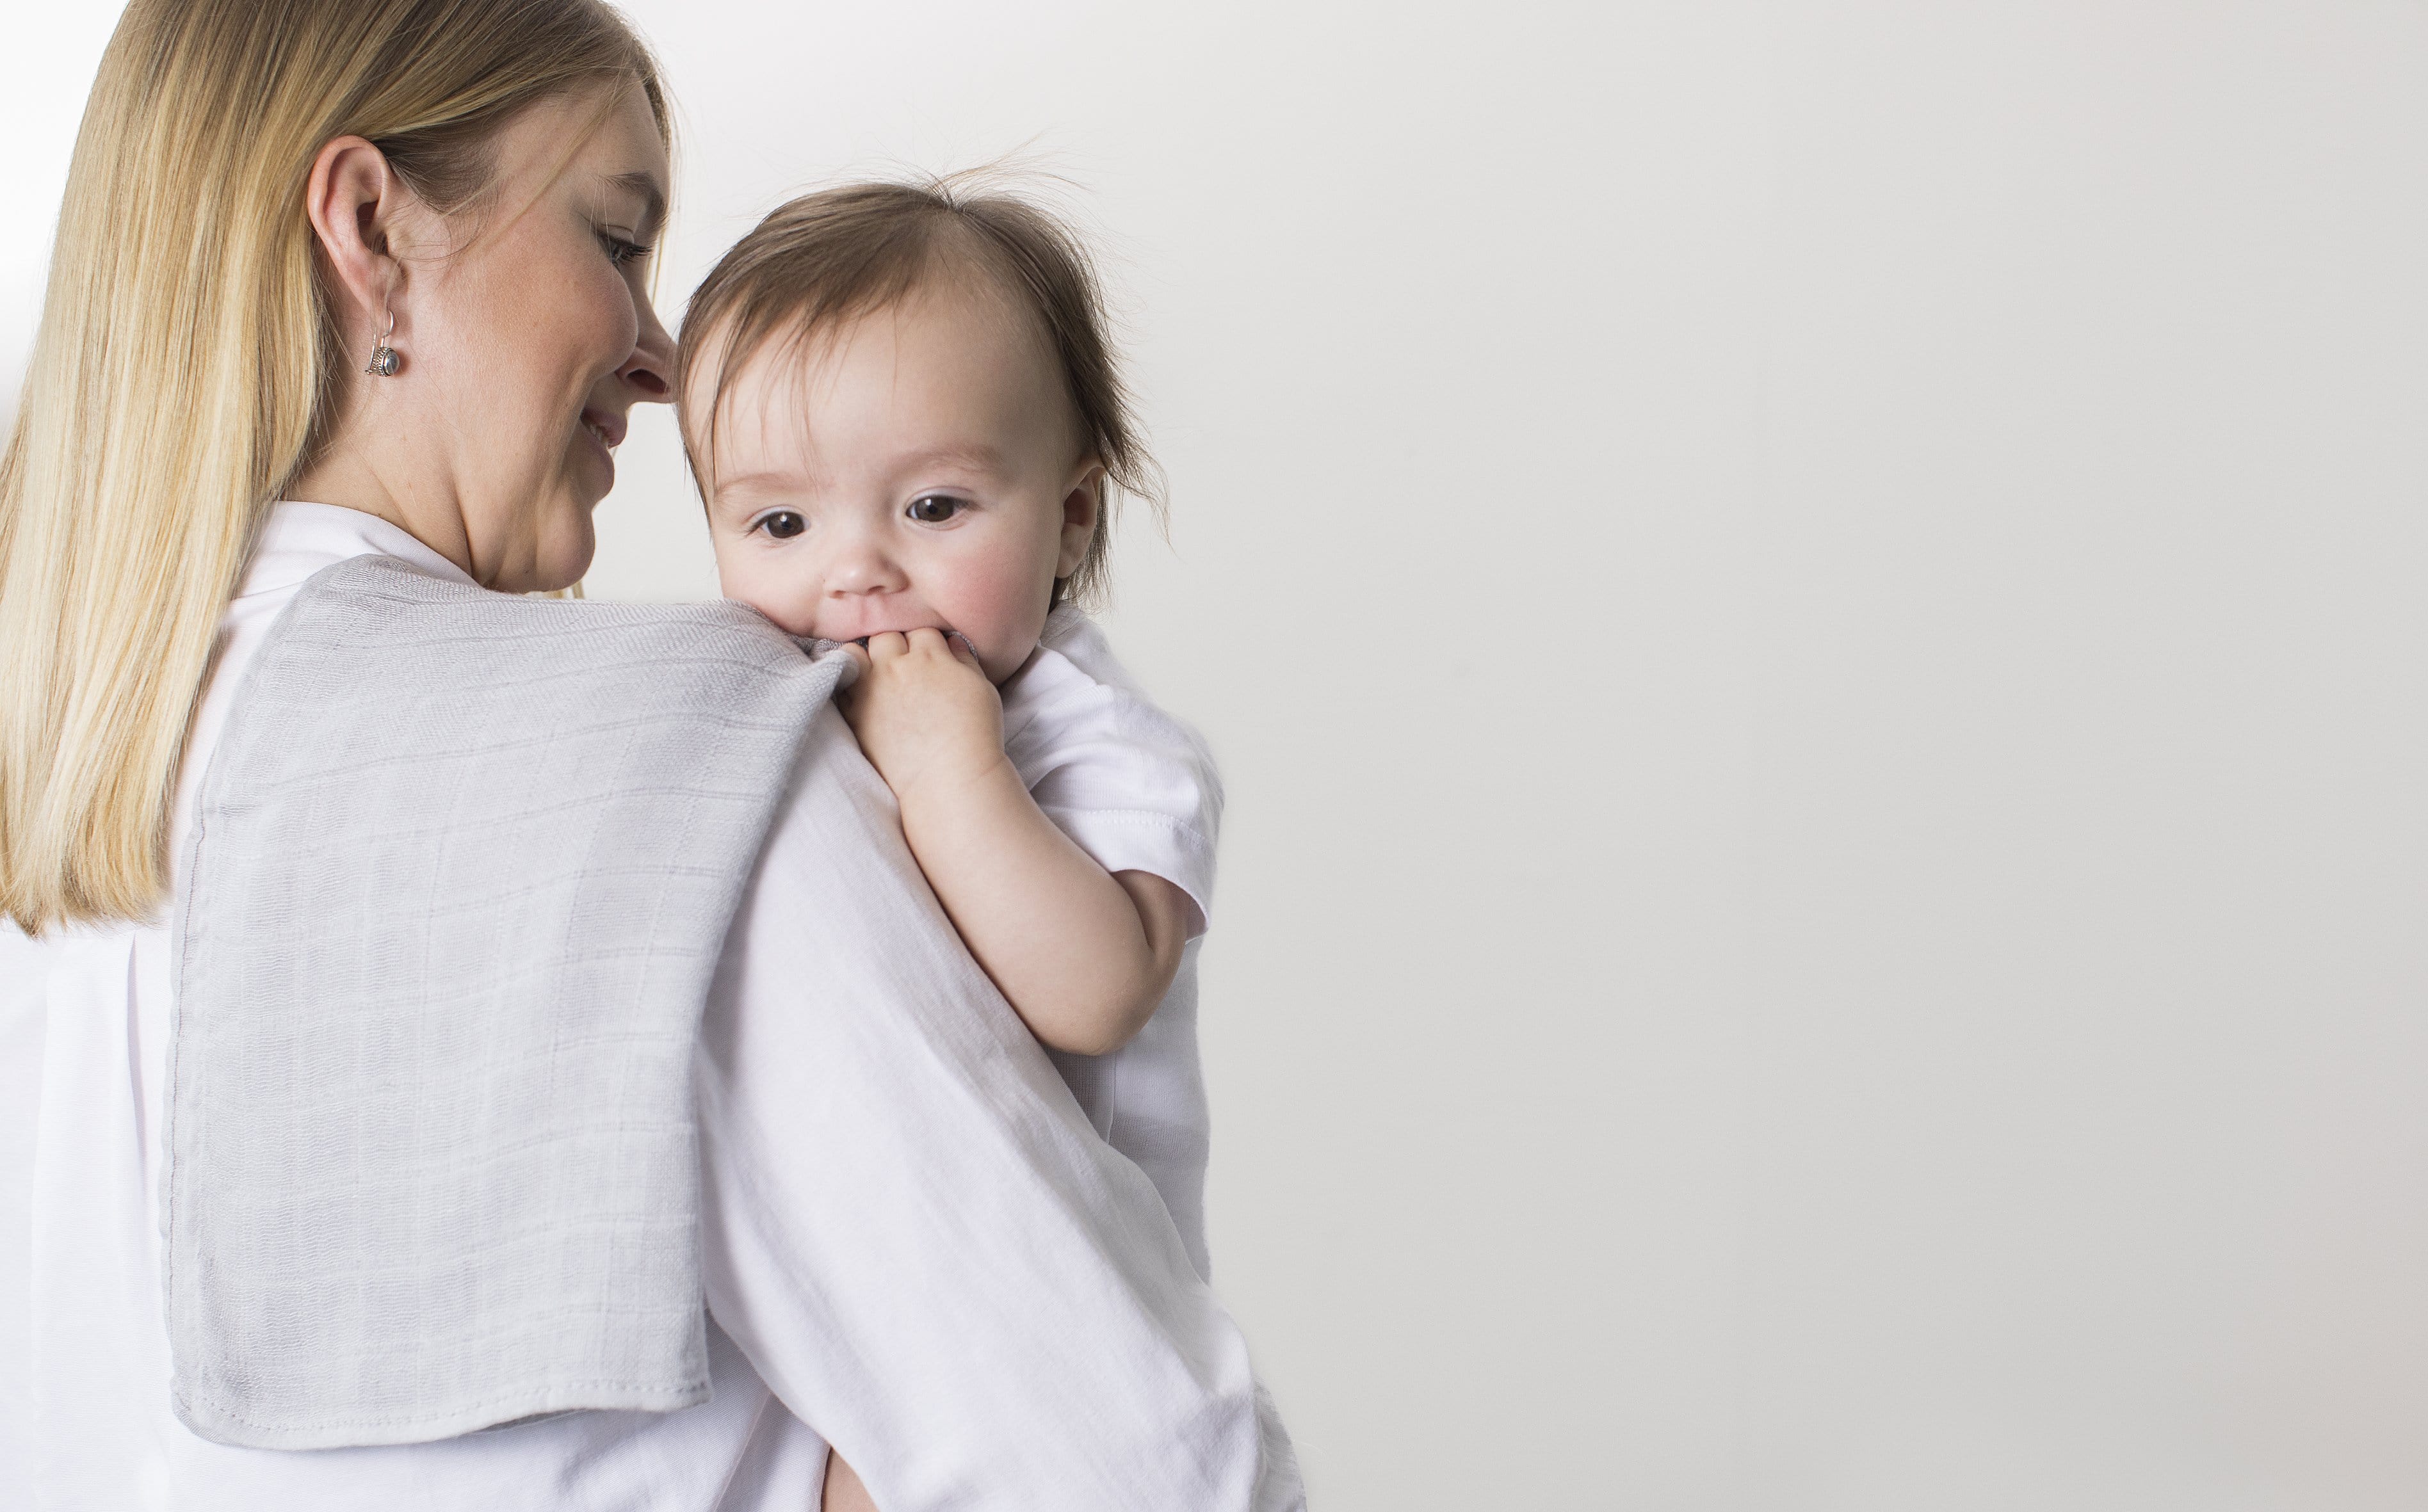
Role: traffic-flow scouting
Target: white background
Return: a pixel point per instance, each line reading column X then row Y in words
column 1814, row 617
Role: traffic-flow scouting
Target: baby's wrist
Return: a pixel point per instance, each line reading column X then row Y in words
column 945, row 790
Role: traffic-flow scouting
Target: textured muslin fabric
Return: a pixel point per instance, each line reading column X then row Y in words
column 909, row 1239
column 461, row 871
column 1137, row 789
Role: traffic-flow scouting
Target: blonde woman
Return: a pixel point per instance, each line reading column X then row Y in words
column 497, row 1051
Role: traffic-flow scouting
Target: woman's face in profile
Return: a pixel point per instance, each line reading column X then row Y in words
column 531, row 334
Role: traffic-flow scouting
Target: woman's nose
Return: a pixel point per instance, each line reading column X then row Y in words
column 650, row 369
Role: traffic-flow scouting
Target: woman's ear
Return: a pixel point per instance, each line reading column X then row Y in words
column 352, row 199
column 1083, row 506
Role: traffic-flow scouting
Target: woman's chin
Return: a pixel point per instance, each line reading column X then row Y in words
column 560, row 557
column 565, row 568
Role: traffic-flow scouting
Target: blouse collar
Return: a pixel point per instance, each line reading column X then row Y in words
column 299, row 538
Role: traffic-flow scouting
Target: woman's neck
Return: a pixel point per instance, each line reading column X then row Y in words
column 346, row 476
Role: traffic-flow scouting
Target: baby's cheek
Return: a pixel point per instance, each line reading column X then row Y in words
column 1001, row 612
column 783, row 597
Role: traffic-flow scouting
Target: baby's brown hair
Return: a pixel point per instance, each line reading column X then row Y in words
column 827, row 258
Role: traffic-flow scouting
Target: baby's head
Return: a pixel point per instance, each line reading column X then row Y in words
column 902, row 413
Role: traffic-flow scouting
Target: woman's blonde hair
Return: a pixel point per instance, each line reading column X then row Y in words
column 189, row 363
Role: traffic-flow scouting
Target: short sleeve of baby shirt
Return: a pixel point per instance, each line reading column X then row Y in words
column 1134, row 786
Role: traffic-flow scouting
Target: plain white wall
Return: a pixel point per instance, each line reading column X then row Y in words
column 1814, row 616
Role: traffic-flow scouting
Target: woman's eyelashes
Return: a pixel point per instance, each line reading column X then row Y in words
column 622, row 250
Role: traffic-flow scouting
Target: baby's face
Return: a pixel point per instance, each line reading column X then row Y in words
column 918, row 470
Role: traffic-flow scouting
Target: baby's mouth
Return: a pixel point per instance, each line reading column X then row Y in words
column 863, row 636
column 862, row 639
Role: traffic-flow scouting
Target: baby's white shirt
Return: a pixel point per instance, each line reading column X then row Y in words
column 1137, row 789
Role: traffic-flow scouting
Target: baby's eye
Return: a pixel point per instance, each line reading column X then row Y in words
column 935, row 509
column 783, row 524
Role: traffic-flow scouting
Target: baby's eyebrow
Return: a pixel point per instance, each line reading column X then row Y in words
column 775, row 484
column 970, row 454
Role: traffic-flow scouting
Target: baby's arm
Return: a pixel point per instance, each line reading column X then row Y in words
column 1082, row 955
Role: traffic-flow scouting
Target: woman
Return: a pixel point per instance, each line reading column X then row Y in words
column 354, row 290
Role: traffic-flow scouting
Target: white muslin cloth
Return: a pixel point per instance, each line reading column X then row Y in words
column 1137, row 789
column 911, row 1242
column 460, row 872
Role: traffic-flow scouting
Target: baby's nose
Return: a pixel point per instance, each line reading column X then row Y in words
column 862, row 568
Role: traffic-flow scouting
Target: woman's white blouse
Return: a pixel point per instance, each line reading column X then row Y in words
column 912, row 1239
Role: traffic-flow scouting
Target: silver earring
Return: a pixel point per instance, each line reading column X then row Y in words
column 384, row 361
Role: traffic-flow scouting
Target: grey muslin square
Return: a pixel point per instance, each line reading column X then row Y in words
column 462, row 869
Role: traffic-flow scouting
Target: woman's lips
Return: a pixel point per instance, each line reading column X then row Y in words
column 606, row 425
column 602, row 430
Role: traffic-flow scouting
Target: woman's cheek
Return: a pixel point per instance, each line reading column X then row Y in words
column 618, row 319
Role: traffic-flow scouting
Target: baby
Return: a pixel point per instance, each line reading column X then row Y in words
column 905, row 419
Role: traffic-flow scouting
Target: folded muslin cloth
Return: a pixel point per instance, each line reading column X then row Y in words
column 461, row 871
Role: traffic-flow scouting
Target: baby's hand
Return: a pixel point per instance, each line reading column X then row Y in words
column 924, row 710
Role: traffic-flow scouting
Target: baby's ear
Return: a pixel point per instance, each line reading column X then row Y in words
column 1083, row 508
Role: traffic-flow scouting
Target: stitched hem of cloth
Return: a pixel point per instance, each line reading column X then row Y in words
column 222, row 1426
column 1126, row 839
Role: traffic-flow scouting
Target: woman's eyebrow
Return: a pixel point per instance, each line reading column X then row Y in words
column 645, row 186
